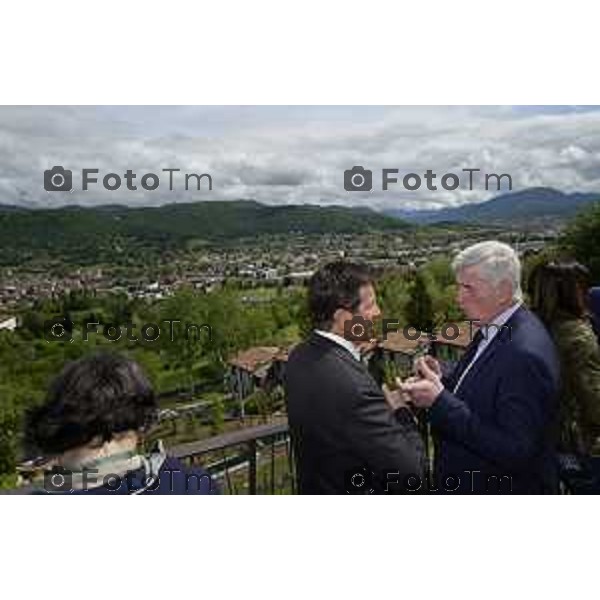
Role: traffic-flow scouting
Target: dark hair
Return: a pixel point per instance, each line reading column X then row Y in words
column 558, row 290
column 335, row 285
column 96, row 396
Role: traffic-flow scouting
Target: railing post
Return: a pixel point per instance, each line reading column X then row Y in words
column 289, row 450
column 252, row 467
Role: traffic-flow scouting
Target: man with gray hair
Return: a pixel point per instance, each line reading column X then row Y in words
column 494, row 415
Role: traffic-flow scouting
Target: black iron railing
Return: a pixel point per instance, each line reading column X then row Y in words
column 254, row 460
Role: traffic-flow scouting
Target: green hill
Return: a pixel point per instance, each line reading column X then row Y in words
column 97, row 231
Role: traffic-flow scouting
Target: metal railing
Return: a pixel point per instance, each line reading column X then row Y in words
column 254, row 460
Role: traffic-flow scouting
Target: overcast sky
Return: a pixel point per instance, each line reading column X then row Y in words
column 295, row 154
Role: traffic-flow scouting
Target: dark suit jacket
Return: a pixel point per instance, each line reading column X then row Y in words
column 504, row 419
column 340, row 421
column 594, row 303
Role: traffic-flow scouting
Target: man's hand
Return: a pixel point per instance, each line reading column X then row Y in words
column 396, row 398
column 366, row 346
column 425, row 390
column 431, row 362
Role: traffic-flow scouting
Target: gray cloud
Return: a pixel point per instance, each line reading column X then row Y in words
column 297, row 154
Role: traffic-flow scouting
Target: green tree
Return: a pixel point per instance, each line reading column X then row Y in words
column 419, row 308
column 10, row 424
column 581, row 239
column 440, row 271
column 217, row 416
column 118, row 309
column 184, row 345
column 392, row 296
column 441, row 284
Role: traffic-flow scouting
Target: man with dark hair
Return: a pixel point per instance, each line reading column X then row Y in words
column 346, row 438
column 90, row 427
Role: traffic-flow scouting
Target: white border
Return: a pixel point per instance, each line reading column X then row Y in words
column 310, row 52
column 298, row 547
column 302, row 53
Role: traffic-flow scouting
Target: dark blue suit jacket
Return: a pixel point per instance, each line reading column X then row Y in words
column 498, row 433
column 594, row 302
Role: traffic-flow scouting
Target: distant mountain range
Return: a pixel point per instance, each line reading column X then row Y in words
column 103, row 232
column 538, row 203
column 77, row 231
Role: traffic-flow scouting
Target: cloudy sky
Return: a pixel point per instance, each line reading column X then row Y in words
column 295, row 154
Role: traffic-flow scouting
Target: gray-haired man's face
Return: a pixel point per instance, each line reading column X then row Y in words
column 478, row 298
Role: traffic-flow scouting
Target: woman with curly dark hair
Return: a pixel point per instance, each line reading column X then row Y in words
column 91, row 426
column 558, row 292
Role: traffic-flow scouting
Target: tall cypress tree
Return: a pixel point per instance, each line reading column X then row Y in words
column 419, row 308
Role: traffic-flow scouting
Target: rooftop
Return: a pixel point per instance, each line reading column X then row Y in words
column 252, row 358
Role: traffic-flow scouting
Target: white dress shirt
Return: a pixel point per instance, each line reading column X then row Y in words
column 488, row 336
column 338, row 339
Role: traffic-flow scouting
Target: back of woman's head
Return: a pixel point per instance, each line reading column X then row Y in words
column 93, row 398
column 558, row 290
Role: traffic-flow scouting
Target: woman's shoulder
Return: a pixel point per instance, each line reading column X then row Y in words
column 572, row 329
column 576, row 340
